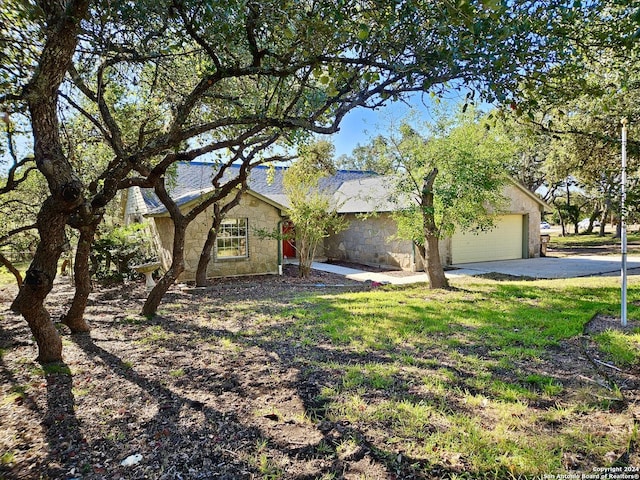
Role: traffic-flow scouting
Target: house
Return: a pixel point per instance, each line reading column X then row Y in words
column 362, row 198
column 369, row 239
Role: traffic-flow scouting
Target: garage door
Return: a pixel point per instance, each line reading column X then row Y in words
column 504, row 242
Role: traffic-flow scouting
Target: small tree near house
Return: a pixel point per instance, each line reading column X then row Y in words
column 449, row 178
column 312, row 211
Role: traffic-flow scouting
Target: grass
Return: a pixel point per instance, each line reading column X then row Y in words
column 155, row 334
column 461, row 380
column 592, row 240
column 16, row 392
column 622, row 348
column 7, row 458
column 500, row 319
column 56, row 369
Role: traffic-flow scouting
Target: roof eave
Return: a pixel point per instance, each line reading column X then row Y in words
column 197, row 200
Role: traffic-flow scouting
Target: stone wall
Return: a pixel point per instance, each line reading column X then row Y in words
column 521, row 203
column 263, row 253
column 370, row 241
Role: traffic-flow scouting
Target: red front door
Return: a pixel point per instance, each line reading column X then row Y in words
column 288, row 244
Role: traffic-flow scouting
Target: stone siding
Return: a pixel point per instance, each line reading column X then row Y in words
column 263, row 253
column 370, row 241
column 520, row 203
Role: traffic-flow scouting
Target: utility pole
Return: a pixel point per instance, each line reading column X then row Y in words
column 623, row 223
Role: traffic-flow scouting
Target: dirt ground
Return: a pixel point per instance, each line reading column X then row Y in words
column 185, row 396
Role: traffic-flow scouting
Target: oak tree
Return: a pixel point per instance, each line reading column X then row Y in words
column 168, row 80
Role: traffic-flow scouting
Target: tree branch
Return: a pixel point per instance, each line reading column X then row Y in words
column 15, row 231
column 89, row 117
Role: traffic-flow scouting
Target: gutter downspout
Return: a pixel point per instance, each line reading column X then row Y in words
column 280, row 223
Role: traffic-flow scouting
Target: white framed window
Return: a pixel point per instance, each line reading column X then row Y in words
column 233, row 238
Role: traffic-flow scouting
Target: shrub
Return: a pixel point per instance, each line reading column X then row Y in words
column 117, row 250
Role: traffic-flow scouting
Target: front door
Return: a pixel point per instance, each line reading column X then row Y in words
column 288, row 244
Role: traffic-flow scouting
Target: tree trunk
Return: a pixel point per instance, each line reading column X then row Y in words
column 422, row 253
column 434, row 268
column 306, row 251
column 41, row 96
column 603, row 221
column 218, row 215
column 205, row 258
column 177, row 267
column 205, row 255
column 74, row 318
column 38, row 283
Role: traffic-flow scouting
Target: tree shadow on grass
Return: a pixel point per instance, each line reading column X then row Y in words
column 313, row 362
column 269, row 357
column 303, row 371
column 62, row 430
column 173, row 420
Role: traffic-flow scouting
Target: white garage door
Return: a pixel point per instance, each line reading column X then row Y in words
column 504, row 242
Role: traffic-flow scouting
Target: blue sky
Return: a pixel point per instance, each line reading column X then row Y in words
column 362, row 124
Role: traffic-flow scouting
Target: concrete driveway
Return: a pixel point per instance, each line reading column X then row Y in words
column 553, row 267
column 544, row 267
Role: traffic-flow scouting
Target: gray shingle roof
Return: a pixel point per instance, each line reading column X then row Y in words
column 193, row 179
column 367, row 195
column 353, row 191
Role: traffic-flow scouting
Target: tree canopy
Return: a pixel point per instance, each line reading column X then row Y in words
column 449, row 175
column 170, row 80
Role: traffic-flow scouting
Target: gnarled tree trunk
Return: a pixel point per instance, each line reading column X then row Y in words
column 74, row 318
column 218, row 215
column 180, row 224
column 434, row 268
column 154, row 298
column 41, row 95
column 205, row 255
column 38, row 283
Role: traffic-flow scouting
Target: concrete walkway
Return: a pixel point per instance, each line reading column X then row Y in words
column 362, row 276
column 544, row 267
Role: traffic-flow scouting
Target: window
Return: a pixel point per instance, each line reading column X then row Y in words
column 232, row 239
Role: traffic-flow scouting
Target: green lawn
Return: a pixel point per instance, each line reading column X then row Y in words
column 490, row 380
column 474, row 380
column 592, row 240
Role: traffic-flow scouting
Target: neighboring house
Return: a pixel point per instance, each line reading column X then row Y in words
column 362, row 197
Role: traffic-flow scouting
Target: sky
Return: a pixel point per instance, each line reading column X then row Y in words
column 358, row 126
